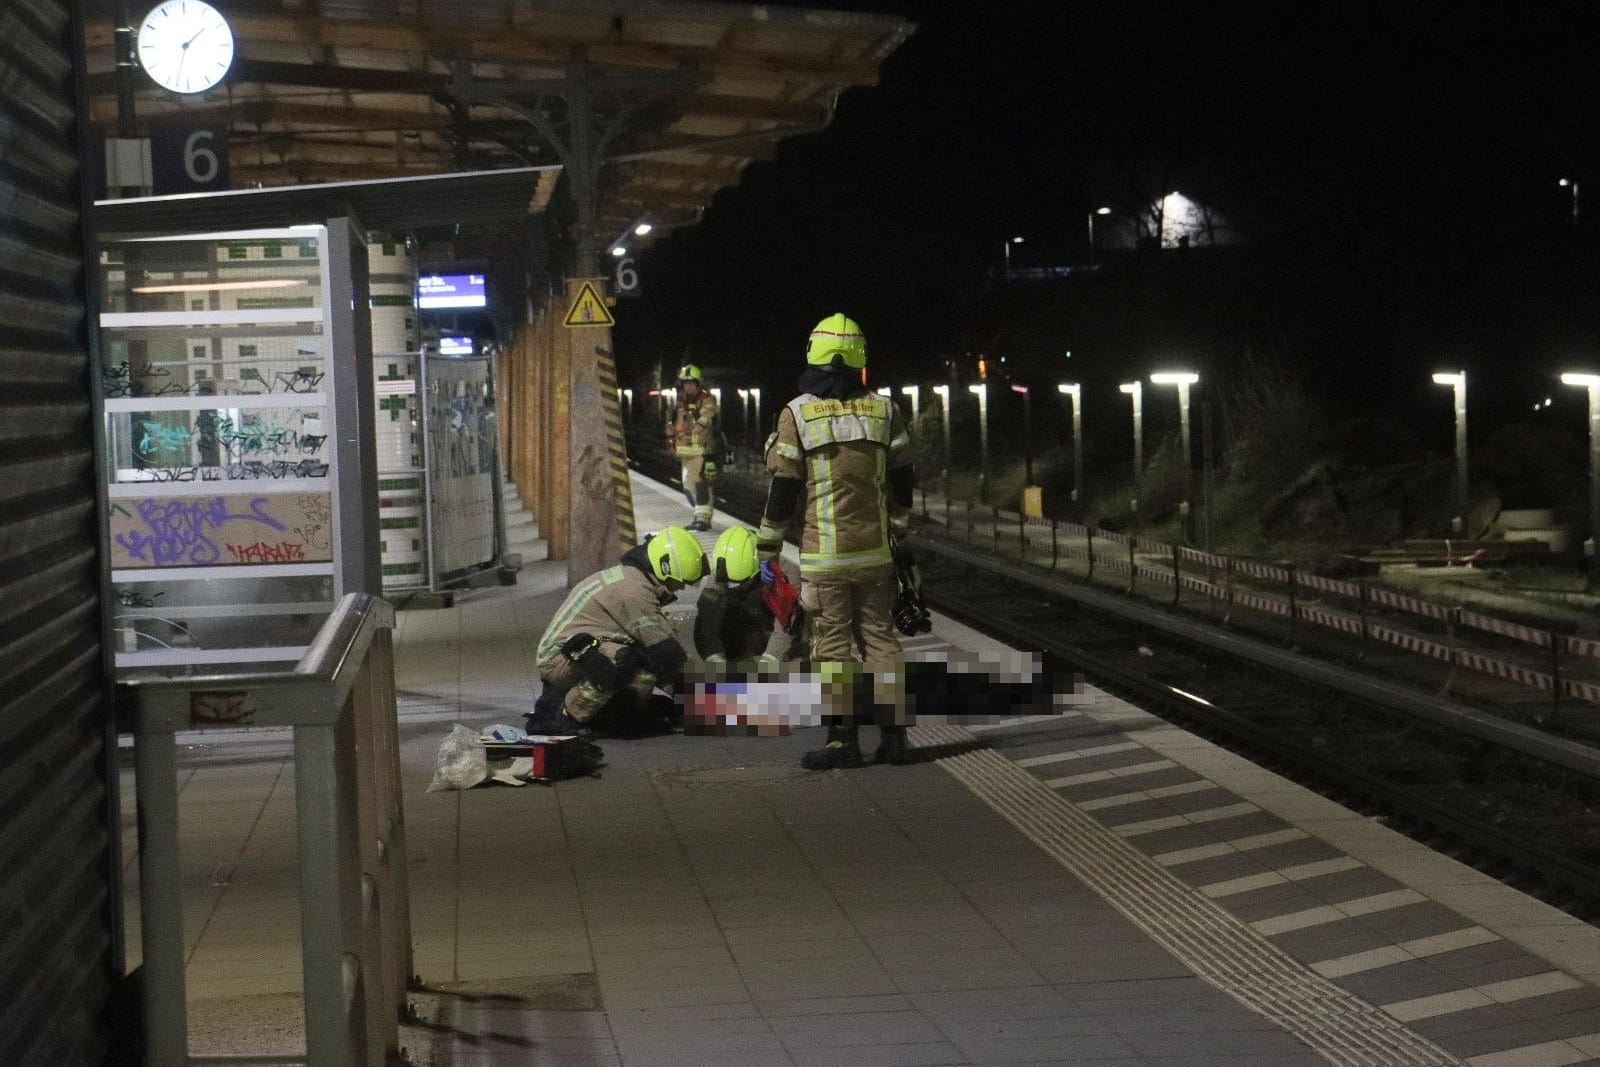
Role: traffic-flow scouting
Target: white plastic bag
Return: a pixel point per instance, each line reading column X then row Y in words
column 461, row 763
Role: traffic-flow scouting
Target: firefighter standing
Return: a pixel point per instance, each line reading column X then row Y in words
column 845, row 454
column 694, row 433
column 610, row 644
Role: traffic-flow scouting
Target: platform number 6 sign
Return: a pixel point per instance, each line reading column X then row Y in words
column 188, row 158
column 627, row 277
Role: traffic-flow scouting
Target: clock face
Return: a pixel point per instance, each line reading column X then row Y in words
column 185, row 45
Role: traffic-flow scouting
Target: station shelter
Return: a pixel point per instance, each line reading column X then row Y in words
column 222, row 409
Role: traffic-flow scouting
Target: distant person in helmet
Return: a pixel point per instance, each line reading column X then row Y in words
column 694, row 434
column 844, row 455
column 610, row 644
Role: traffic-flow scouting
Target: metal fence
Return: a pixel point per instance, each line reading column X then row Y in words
column 1540, row 659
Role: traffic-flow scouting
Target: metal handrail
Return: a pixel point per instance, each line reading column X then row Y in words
column 355, row 923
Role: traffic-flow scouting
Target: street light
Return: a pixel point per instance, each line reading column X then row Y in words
column 915, row 393
column 1074, row 393
column 627, row 396
column 1008, row 244
column 1027, row 430
column 982, row 393
column 1568, row 183
column 744, row 415
column 1592, row 383
column 943, row 393
column 1092, row 214
column 1457, row 381
column 1135, row 392
column 1182, row 379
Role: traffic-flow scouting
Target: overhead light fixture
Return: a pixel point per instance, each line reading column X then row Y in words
column 219, row 287
column 642, row 229
column 619, row 251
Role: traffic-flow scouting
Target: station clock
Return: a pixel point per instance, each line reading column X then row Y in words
column 185, row 45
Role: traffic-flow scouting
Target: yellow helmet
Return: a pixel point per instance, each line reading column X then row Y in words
column 675, row 556
column 733, row 559
column 690, row 372
column 835, row 339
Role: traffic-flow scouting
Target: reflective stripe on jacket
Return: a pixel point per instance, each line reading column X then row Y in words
column 620, row 603
column 693, row 425
column 842, row 450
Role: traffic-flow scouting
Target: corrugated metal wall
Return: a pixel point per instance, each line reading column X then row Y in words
column 57, row 920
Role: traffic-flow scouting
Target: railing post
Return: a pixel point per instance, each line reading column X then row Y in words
column 1088, row 547
column 1133, row 568
column 1227, row 579
column 1055, row 551
column 329, row 898
column 924, row 490
column 1555, row 677
column 1454, row 649
column 1294, row 603
column 994, row 518
column 166, row 1023
column 1363, row 605
column 1022, row 537
column 1177, row 576
column 970, row 527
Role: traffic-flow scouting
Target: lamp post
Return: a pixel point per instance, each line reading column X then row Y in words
column 627, row 403
column 943, row 393
column 1008, row 244
column 1570, row 184
column 1092, row 214
column 1074, row 394
column 1027, row 430
column 755, row 399
column 1134, row 391
column 1591, row 553
column 1182, row 379
column 1457, row 381
column 982, row 393
column 744, row 416
column 915, row 395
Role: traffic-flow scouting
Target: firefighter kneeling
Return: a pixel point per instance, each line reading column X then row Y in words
column 610, row 644
column 844, row 453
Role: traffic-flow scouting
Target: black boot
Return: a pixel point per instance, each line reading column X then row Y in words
column 892, row 746
column 550, row 717
column 842, row 752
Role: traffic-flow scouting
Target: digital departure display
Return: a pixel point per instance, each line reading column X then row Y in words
column 455, row 346
column 451, row 291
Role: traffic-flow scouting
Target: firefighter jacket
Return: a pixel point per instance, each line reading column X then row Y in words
column 694, row 426
column 732, row 624
column 843, row 451
column 621, row 603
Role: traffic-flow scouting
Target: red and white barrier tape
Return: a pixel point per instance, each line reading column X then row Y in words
column 1513, row 630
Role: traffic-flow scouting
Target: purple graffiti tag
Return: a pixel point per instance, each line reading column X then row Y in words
column 178, row 531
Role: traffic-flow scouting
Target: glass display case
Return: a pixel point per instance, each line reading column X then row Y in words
column 219, row 435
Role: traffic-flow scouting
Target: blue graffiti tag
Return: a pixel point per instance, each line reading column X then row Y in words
column 177, row 531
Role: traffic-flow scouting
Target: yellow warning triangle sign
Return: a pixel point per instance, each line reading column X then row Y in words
column 589, row 309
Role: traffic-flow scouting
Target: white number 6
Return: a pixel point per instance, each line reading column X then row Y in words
column 627, row 277
column 199, row 162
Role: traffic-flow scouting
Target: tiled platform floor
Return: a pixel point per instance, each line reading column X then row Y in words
column 706, row 902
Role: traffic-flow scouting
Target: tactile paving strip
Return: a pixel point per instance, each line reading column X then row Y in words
column 1341, row 1027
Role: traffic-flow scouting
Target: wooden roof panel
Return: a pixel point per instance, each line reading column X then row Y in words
column 327, row 90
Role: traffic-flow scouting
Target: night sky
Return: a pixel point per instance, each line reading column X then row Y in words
column 1396, row 172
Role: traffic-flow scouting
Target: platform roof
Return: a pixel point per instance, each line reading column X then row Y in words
column 396, row 205
column 335, row 90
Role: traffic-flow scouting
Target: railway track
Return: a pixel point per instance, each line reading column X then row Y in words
column 1517, row 803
